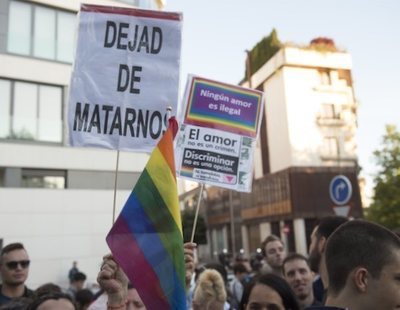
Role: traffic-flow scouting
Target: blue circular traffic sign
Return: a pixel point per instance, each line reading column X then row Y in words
column 340, row 190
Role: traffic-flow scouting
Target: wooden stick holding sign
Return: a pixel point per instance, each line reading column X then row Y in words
column 197, row 211
column 115, row 187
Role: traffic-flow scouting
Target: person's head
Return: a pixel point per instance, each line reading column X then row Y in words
column 269, row 291
column 209, row 292
column 134, row 302
column 59, row 301
column 363, row 262
column 48, row 288
column 240, row 271
column 74, row 264
column 319, row 236
column 299, row 276
column 84, row 298
column 78, row 280
column 274, row 251
column 217, row 267
column 14, row 264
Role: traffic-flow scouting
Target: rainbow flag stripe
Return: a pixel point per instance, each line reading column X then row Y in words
column 146, row 240
column 186, row 171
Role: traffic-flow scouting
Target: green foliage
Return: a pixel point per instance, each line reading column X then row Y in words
column 200, row 236
column 22, row 134
column 385, row 209
column 263, row 51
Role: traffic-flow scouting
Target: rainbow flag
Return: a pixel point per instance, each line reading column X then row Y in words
column 146, row 240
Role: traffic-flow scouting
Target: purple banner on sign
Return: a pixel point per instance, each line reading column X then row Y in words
column 222, row 106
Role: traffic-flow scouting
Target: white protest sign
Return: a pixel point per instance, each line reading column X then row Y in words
column 218, row 138
column 125, row 75
column 215, row 157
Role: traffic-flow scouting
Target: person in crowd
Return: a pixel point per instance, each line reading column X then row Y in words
column 319, row 237
column 74, row 270
column 274, row 253
column 14, row 270
column 114, row 283
column 210, row 291
column 256, row 260
column 363, row 264
column 268, row 291
column 84, row 298
column 236, row 286
column 299, row 276
column 223, row 273
column 53, row 301
column 47, row 288
column 77, row 284
column 188, row 251
column 19, row 303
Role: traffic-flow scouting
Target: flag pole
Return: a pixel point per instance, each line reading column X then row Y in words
column 115, row 187
column 197, row 211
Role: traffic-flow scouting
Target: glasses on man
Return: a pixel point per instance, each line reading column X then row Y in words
column 12, row 265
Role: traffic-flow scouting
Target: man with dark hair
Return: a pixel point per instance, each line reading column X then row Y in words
column 363, row 264
column 298, row 274
column 274, row 253
column 319, row 237
column 14, row 270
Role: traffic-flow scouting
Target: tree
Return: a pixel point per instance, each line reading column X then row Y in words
column 385, row 208
column 263, row 51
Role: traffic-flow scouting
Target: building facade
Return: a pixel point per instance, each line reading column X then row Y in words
column 307, row 137
column 55, row 199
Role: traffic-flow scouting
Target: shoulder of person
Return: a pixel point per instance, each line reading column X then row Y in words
column 28, row 293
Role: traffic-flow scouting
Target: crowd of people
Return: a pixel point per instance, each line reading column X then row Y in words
column 350, row 265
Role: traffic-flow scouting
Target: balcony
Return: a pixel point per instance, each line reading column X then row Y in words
column 335, row 120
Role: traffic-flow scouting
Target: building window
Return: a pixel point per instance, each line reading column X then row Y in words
column 30, row 111
column 331, row 146
column 41, row 32
column 325, row 78
column 2, row 170
column 43, row 178
column 330, row 111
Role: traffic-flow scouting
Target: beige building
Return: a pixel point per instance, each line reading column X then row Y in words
column 307, row 137
column 310, row 110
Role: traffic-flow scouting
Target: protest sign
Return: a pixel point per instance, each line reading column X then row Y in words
column 125, row 75
column 222, row 106
column 215, row 157
column 217, row 140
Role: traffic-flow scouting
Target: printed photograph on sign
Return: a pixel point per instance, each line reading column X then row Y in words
column 215, row 157
column 125, row 76
column 222, row 106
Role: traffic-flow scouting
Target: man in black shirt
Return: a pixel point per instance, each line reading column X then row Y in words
column 14, row 270
column 363, row 265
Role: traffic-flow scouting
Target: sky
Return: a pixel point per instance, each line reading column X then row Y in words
column 216, row 34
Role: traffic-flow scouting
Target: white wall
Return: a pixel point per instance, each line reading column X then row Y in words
column 61, row 157
column 302, row 108
column 277, row 122
column 58, row 227
column 294, row 95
